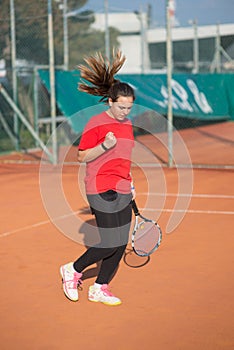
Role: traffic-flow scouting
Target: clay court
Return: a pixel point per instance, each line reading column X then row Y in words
column 181, row 299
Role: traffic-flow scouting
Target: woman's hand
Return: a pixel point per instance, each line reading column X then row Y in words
column 110, row 140
column 90, row 154
column 133, row 193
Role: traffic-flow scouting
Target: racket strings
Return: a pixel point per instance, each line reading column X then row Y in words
column 145, row 227
column 147, row 238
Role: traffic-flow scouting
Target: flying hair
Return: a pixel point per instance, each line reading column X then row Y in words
column 99, row 74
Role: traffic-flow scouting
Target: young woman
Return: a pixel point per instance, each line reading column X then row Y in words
column 105, row 147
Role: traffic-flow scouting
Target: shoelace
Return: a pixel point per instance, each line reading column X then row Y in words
column 105, row 290
column 75, row 280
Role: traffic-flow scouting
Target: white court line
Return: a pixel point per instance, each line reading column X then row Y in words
column 193, row 195
column 40, row 223
column 193, row 211
column 189, row 211
column 8, row 233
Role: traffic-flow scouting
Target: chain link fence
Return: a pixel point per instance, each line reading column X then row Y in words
column 25, row 50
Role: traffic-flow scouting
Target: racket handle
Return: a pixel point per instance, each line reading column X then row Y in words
column 134, row 207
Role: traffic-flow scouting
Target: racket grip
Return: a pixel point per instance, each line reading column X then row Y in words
column 134, row 207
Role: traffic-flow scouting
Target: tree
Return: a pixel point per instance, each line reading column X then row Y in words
column 31, row 24
column 87, row 43
column 31, row 20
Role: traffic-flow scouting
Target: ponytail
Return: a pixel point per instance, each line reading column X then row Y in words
column 98, row 77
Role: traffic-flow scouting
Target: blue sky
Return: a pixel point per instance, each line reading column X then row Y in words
column 205, row 11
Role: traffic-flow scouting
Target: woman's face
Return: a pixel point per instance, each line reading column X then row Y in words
column 121, row 108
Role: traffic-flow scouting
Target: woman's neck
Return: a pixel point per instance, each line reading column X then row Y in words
column 110, row 113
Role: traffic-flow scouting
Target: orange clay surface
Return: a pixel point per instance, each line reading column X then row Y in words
column 182, row 299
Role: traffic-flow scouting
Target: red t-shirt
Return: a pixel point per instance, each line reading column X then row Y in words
column 110, row 171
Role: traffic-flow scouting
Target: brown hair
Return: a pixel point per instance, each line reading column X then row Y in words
column 101, row 76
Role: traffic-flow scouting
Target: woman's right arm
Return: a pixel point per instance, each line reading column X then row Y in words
column 92, row 153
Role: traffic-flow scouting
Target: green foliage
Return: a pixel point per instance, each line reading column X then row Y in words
column 88, row 44
column 31, row 29
column 31, row 22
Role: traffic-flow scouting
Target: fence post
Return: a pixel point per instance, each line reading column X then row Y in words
column 65, row 37
column 35, row 101
column 169, row 87
column 25, row 122
column 107, row 34
column 195, row 48
column 52, row 82
column 14, row 71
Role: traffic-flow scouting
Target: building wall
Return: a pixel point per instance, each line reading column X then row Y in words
column 132, row 38
column 145, row 49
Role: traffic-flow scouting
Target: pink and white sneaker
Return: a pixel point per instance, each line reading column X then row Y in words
column 103, row 295
column 71, row 280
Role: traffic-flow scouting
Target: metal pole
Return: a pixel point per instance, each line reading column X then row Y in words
column 195, row 48
column 24, row 120
column 65, row 36
column 107, row 34
column 7, row 129
column 52, row 83
column 35, row 101
column 169, row 88
column 14, row 72
column 218, row 51
column 142, row 42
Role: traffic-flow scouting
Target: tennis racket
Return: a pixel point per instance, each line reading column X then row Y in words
column 146, row 235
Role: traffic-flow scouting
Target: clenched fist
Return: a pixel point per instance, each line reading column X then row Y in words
column 110, row 140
